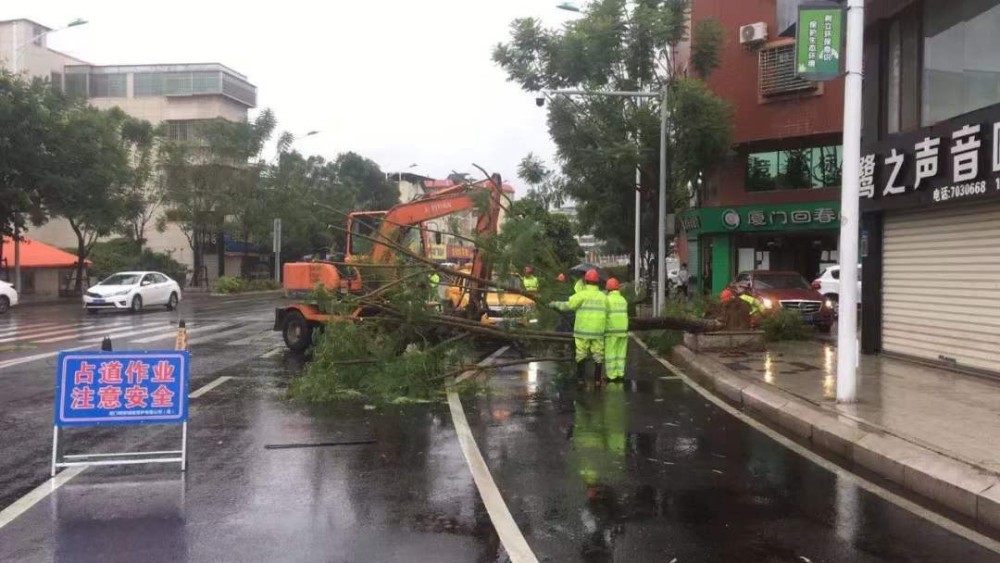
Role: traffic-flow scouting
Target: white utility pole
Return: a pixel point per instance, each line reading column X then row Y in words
column 850, row 221
column 638, row 234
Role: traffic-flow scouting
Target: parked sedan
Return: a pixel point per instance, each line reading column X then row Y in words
column 132, row 291
column 789, row 290
column 8, row 297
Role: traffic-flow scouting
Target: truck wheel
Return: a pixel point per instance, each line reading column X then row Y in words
column 296, row 332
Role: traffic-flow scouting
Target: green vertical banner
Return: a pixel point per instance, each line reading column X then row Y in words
column 819, row 42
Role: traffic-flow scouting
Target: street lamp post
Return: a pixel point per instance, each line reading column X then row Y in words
column 15, row 67
column 850, row 222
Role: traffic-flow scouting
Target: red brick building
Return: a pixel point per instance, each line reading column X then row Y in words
column 774, row 203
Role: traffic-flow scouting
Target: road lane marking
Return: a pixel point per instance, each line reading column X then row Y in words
column 46, row 332
column 12, row 330
column 123, row 332
column 24, row 503
column 202, row 390
column 882, row 493
column 503, row 522
column 273, row 353
column 110, row 332
column 42, row 356
column 173, row 333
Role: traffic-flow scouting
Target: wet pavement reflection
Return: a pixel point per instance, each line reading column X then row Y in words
column 650, row 471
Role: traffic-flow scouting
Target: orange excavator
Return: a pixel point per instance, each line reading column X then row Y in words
column 372, row 239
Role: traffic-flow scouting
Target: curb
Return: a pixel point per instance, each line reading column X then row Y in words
column 264, row 292
column 964, row 488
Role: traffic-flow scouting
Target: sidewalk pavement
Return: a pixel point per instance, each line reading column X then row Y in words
column 935, row 432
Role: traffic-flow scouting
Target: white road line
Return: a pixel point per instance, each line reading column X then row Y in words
column 510, row 535
column 173, row 334
column 273, row 353
column 220, row 335
column 125, row 332
column 43, row 333
column 105, row 331
column 42, row 356
column 202, row 390
column 12, row 330
column 884, row 494
column 24, row 503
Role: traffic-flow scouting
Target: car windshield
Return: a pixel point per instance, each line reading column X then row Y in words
column 780, row 281
column 121, row 279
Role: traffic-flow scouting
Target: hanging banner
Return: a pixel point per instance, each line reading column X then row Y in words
column 819, row 42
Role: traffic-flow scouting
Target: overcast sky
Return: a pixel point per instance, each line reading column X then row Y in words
column 399, row 81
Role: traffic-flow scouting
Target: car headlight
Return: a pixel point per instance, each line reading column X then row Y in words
column 829, row 304
column 768, row 303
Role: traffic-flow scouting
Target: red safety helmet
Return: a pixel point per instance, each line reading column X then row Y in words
column 561, row 277
column 612, row 285
column 592, row 277
column 527, row 269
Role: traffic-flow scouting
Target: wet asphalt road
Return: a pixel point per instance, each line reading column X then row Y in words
column 645, row 472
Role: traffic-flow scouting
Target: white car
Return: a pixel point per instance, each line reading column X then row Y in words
column 8, row 297
column 828, row 284
column 132, row 291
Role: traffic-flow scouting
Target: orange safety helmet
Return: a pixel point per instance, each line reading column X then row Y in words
column 561, row 277
column 612, row 285
column 527, row 269
column 592, row 276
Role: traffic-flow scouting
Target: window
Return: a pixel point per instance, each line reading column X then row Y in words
column 76, row 85
column 794, row 169
column 776, row 67
column 56, row 80
column 239, row 90
column 38, row 35
column 902, row 73
column 961, row 67
column 108, row 86
column 177, row 83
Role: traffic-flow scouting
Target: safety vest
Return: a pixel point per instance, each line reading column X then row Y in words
column 591, row 308
column 434, row 279
column 756, row 307
column 617, row 323
column 530, row 283
column 578, row 286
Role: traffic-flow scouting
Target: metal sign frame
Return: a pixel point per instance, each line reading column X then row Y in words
column 122, row 458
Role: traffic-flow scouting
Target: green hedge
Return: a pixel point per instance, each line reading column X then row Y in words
column 227, row 284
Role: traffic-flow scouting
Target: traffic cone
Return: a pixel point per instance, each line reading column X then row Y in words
column 181, row 343
column 106, row 345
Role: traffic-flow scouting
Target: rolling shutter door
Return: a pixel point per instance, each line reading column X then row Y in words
column 941, row 286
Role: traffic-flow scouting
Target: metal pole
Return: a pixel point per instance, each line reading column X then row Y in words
column 661, row 219
column 55, row 449
column 850, row 219
column 638, row 211
column 17, row 258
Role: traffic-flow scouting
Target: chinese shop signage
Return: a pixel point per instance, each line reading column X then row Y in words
column 96, row 388
column 763, row 218
column 953, row 161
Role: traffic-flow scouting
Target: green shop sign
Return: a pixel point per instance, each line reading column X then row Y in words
column 819, row 42
column 762, row 218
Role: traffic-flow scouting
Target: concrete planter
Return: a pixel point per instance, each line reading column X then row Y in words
column 750, row 340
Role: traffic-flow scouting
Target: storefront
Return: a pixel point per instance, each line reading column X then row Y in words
column 931, row 204
column 722, row 241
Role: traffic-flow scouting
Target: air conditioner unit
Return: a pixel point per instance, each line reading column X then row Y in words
column 753, row 34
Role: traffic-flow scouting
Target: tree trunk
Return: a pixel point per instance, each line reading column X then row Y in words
column 81, row 256
column 196, row 250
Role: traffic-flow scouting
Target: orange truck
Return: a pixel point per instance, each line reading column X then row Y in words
column 371, row 240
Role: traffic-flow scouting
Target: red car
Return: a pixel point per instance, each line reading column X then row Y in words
column 789, row 290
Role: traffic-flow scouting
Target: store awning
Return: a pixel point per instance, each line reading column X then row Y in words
column 36, row 254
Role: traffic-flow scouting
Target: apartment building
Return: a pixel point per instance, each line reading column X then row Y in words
column 775, row 202
column 176, row 95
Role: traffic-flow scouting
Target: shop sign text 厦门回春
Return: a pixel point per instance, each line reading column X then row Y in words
column 775, row 217
column 952, row 161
